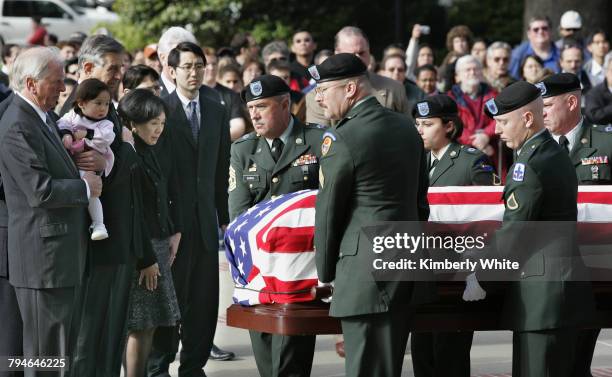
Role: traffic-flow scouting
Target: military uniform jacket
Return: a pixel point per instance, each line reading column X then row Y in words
column 541, row 186
column 201, row 165
column 592, row 154
column 373, row 169
column 255, row 177
column 462, row 166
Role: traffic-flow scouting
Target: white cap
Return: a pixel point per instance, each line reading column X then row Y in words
column 571, row 20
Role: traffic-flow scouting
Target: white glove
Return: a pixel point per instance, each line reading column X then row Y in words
column 329, row 299
column 473, row 290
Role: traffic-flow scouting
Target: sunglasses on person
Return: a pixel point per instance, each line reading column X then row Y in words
column 539, row 28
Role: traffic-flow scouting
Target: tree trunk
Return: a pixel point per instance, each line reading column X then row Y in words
column 595, row 13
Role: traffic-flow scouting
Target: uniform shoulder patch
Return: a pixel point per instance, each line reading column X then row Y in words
column 472, row 150
column 518, row 174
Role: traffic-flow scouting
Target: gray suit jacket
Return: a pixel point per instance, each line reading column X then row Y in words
column 46, row 200
column 3, row 211
column 390, row 93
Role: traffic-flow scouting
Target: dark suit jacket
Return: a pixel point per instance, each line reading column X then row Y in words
column 121, row 202
column 47, row 202
column 203, row 167
column 599, row 104
column 3, row 210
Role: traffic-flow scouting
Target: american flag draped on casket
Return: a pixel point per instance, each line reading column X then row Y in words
column 270, row 247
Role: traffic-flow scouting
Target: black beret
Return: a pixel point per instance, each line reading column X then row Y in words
column 558, row 84
column 437, row 106
column 512, row 97
column 338, row 67
column 263, row 87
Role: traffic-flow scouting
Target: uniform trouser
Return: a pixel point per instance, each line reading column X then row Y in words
column 375, row 343
column 101, row 330
column 11, row 326
column 196, row 280
column 282, row 355
column 544, row 353
column 587, row 339
column 441, row 354
column 47, row 316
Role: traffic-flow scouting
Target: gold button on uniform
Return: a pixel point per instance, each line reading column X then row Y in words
column 305, row 177
column 275, row 180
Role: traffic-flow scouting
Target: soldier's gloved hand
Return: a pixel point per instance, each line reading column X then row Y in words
column 473, row 290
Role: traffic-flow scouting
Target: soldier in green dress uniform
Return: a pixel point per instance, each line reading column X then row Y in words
column 437, row 354
column 280, row 157
column 590, row 149
column 546, row 305
column 373, row 168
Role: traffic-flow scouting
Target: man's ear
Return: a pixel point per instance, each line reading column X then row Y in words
column 528, row 117
column 30, row 84
column 87, row 69
column 572, row 102
column 172, row 72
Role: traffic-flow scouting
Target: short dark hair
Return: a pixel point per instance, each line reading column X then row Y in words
column 6, row 50
column 383, row 63
column 136, row 74
column 240, row 40
column 88, row 90
column 524, row 61
column 280, row 65
column 140, row 106
column 425, row 67
column 538, row 17
column 594, row 33
column 457, row 130
column 174, row 58
column 234, row 68
column 570, row 44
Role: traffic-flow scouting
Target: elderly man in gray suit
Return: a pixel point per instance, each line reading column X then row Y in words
column 47, row 206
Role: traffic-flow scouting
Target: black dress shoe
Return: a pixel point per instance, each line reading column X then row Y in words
column 218, row 354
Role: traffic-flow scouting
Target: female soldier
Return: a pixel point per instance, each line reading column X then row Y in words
column 446, row 354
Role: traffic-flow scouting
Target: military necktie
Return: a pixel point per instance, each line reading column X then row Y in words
column 194, row 123
column 277, row 149
column 563, row 142
column 433, row 165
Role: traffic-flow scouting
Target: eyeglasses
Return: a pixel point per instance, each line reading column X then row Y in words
column 191, row 67
column 540, row 28
column 321, row 91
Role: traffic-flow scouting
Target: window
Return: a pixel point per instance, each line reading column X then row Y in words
column 48, row 9
column 14, row 8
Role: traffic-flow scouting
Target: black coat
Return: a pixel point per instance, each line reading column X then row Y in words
column 202, row 166
column 599, row 104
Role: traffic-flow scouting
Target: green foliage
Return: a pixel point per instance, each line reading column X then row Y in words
column 490, row 19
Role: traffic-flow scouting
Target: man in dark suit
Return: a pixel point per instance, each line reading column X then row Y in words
column 197, row 137
column 590, row 149
column 47, row 201
column 105, row 294
column 10, row 319
column 373, row 168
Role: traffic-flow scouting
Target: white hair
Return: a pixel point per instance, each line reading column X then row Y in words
column 33, row 63
column 497, row 46
column 466, row 59
column 173, row 37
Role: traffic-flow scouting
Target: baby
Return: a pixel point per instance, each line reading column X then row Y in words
column 85, row 127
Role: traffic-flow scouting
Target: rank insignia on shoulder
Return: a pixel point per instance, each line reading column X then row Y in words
column 321, row 178
column 471, row 150
column 232, row 179
column 594, row 160
column 518, row 174
column 307, row 159
column 512, row 203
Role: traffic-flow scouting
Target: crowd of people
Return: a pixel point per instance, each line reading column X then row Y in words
column 117, row 178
